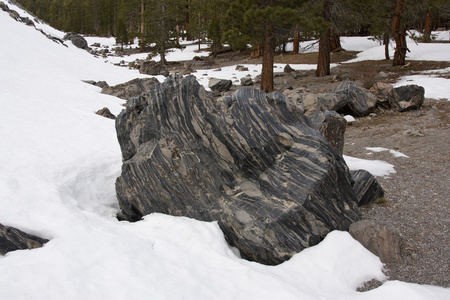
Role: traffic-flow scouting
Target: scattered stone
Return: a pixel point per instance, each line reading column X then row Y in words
column 385, row 94
column 380, row 239
column 413, row 132
column 288, row 69
column 220, row 85
column 12, row 239
column 409, row 97
column 241, row 68
column 332, row 101
column 151, row 67
column 101, row 84
column 360, row 102
column 97, row 45
column 105, row 112
column 3, row 6
column 131, row 88
column 272, row 182
column 247, row 81
column 77, row 40
column 366, row 187
column 93, row 82
column 332, row 127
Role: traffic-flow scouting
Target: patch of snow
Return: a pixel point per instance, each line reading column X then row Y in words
column 381, row 149
column 375, row 167
column 349, row 118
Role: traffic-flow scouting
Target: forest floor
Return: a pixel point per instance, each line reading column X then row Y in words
column 417, row 194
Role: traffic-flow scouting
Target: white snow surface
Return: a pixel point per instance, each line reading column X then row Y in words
column 395, row 153
column 59, row 162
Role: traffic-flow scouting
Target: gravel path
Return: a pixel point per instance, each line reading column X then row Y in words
column 418, row 193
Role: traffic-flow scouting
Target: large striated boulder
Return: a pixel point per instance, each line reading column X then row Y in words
column 272, row 182
column 12, row 239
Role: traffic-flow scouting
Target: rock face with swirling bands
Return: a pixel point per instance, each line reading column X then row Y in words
column 272, row 182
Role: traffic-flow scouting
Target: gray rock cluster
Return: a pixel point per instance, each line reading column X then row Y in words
column 131, row 88
column 151, row 67
column 15, row 15
column 350, row 98
column 270, row 179
column 12, row 239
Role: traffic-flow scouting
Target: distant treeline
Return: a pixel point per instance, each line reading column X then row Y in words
column 263, row 25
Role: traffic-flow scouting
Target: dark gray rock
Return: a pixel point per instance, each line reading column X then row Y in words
column 241, row 68
column 409, row 97
column 272, row 182
column 332, row 101
column 12, row 239
column 151, row 67
column 247, row 81
column 380, row 239
column 288, row 69
column 77, row 40
column 105, row 112
column 101, row 84
column 3, row 6
column 332, row 127
column 131, row 88
column 366, row 187
column 220, row 85
column 360, row 102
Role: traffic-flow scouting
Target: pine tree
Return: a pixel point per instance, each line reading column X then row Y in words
column 260, row 22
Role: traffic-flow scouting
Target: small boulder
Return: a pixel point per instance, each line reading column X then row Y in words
column 332, row 127
column 105, row 112
column 151, row 67
column 12, row 239
column 366, row 187
column 220, row 85
column 131, row 88
column 409, row 97
column 385, row 94
column 360, row 102
column 77, row 40
column 288, row 69
column 380, row 239
column 332, row 101
column 247, row 81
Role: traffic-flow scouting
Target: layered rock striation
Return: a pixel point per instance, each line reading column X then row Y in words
column 272, row 182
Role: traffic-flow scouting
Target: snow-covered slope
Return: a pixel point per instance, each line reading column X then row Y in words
column 58, row 164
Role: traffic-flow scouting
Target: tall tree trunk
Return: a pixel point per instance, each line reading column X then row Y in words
column 296, row 47
column 324, row 59
column 386, row 45
column 268, row 59
column 335, row 42
column 428, row 27
column 142, row 40
column 399, row 35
